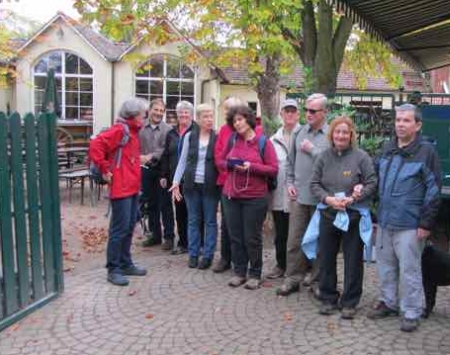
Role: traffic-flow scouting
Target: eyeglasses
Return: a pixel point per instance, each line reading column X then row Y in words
column 310, row 110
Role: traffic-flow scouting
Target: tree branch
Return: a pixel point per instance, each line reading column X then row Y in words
column 295, row 41
column 340, row 39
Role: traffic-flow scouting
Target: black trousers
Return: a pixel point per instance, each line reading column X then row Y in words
column 225, row 242
column 245, row 218
column 281, row 222
column 181, row 218
column 158, row 201
column 352, row 247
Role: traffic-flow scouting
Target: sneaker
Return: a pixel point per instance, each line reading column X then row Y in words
column 348, row 313
column 179, row 251
column 252, row 283
column 276, row 273
column 409, row 325
column 167, row 245
column 134, row 270
column 151, row 241
column 204, row 263
column 327, row 309
column 381, row 311
column 236, row 281
column 193, row 262
column 287, row 288
column 221, row 266
column 117, row 279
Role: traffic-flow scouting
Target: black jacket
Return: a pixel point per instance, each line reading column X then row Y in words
column 172, row 151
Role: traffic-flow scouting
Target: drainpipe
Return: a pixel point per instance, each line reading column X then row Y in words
column 113, row 90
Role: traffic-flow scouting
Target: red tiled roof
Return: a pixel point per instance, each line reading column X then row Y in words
column 346, row 80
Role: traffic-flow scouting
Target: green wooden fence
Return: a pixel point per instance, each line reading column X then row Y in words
column 30, row 229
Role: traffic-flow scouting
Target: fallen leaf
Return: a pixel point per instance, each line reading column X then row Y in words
column 287, row 317
column 14, row 327
column 267, row 284
column 149, row 316
column 132, row 293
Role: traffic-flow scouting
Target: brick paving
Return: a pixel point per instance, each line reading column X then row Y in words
column 176, row 310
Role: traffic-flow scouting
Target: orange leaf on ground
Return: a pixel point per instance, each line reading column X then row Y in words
column 287, row 317
column 149, row 316
column 132, row 292
column 267, row 284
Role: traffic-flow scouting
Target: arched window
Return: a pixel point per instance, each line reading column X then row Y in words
column 74, row 82
column 165, row 77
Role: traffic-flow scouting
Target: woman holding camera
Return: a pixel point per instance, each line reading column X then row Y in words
column 245, row 194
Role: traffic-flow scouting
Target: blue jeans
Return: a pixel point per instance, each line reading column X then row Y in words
column 121, row 227
column 198, row 202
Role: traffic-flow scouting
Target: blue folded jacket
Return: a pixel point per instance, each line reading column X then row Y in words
column 342, row 222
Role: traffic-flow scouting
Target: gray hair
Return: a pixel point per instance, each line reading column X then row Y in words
column 133, row 107
column 411, row 108
column 317, row 96
column 232, row 101
column 203, row 108
column 185, row 105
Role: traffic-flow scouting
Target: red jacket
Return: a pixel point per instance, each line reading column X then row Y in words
column 222, row 139
column 254, row 183
column 126, row 180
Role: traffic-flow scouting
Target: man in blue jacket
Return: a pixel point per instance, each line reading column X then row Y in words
column 409, row 186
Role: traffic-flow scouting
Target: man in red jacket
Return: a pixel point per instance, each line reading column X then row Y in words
column 118, row 161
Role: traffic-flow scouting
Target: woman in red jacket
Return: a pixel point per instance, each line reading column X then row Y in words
column 245, row 194
column 116, row 154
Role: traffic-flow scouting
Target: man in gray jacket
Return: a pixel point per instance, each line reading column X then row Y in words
column 306, row 144
column 152, row 138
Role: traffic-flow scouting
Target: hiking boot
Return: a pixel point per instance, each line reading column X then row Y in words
column 179, row 251
column 287, row 288
column 134, row 270
column 117, row 279
column 204, row 263
column 409, row 325
column 221, row 266
column 151, row 241
column 276, row 273
column 348, row 313
column 236, row 281
column 193, row 262
column 252, row 283
column 327, row 309
column 381, row 311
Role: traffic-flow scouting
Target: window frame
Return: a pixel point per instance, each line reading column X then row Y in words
column 165, row 79
column 64, row 76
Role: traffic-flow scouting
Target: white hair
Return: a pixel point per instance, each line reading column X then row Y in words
column 317, row 96
column 185, row 105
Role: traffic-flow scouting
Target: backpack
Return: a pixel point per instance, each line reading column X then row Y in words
column 95, row 173
column 272, row 182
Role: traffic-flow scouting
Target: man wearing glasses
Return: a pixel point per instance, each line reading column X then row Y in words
column 306, row 143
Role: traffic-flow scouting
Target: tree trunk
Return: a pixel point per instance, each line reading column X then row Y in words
column 322, row 49
column 267, row 88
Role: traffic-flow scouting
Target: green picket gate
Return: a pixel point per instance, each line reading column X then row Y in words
column 31, row 271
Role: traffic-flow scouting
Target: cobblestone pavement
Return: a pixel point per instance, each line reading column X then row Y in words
column 176, row 310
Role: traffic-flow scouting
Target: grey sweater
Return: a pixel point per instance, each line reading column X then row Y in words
column 336, row 171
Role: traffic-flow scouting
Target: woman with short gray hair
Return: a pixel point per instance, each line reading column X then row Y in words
column 115, row 152
column 169, row 161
